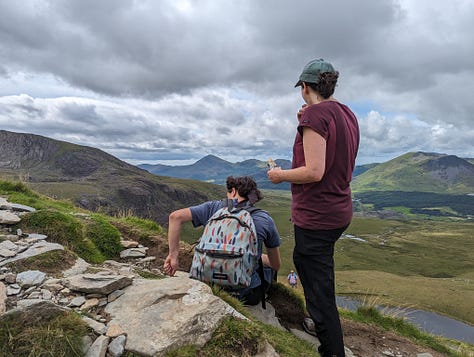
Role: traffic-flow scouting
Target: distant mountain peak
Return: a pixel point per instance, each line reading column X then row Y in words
column 419, row 171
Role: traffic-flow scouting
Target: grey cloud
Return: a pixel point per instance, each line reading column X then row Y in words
column 153, row 74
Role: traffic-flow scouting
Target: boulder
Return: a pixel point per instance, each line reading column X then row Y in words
column 158, row 315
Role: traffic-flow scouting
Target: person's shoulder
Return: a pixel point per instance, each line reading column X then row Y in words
column 259, row 213
column 208, row 206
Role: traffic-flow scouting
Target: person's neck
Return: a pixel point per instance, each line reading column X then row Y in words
column 317, row 99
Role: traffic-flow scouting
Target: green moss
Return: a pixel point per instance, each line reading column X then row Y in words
column 104, row 236
column 89, row 252
column 63, row 229
column 59, row 227
column 149, row 275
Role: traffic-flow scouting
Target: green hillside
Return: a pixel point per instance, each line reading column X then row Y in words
column 94, row 179
column 421, row 172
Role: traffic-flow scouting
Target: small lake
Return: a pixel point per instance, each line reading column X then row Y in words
column 427, row 321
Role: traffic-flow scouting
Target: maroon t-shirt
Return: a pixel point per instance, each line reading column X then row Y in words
column 326, row 204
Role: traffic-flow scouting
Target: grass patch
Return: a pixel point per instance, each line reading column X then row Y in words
column 138, row 229
column 430, row 294
column 59, row 336
column 370, row 315
column 232, row 301
column 233, row 337
column 51, row 262
column 149, row 275
column 63, row 229
column 104, row 236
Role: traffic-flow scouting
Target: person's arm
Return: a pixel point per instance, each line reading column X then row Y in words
column 176, row 220
column 272, row 258
column 314, row 146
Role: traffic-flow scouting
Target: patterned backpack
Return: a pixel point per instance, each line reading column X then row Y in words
column 227, row 252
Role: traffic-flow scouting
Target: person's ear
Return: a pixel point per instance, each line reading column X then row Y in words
column 304, row 88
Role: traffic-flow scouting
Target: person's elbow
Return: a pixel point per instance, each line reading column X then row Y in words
column 315, row 175
column 274, row 258
column 277, row 265
column 179, row 216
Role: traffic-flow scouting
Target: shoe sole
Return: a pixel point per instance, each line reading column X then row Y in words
column 308, row 331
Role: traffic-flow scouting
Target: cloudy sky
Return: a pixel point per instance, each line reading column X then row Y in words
column 171, row 81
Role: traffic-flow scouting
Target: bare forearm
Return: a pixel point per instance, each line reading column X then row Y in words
column 299, row 175
column 174, row 230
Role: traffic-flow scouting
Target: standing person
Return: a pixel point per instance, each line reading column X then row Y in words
column 244, row 192
column 324, row 152
column 292, row 279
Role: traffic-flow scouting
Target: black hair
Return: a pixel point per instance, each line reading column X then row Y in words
column 326, row 85
column 246, row 187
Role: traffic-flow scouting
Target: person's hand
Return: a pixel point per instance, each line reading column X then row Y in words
column 171, row 265
column 274, row 175
column 301, row 111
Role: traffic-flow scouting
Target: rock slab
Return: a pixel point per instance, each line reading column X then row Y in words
column 159, row 315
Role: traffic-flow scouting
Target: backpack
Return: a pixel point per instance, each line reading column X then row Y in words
column 227, row 252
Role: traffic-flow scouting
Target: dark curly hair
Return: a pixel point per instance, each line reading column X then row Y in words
column 326, row 85
column 245, row 186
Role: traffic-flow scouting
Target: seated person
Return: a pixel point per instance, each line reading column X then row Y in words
column 243, row 191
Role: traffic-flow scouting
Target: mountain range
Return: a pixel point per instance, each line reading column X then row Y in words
column 418, row 171
column 214, row 169
column 98, row 181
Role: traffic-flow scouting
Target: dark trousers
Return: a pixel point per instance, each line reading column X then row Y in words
column 313, row 257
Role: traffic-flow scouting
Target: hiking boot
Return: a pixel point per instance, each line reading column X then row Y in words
column 308, row 326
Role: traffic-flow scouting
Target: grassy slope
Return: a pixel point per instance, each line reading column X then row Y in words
column 408, row 173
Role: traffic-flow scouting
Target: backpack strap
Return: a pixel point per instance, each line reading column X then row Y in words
column 252, row 209
column 263, row 282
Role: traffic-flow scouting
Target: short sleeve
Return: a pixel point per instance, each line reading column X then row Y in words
column 201, row 213
column 266, row 229
column 316, row 118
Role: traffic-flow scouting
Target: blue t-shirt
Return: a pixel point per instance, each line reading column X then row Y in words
column 267, row 233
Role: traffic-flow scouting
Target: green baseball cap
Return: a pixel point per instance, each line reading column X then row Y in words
column 312, row 70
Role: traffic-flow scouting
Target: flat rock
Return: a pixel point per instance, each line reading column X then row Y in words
column 36, row 249
column 158, row 315
column 133, row 253
column 99, row 347
column 6, row 217
column 97, row 283
column 21, row 208
column 79, row 267
column 30, row 277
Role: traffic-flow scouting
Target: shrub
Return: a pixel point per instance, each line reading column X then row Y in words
column 7, row 187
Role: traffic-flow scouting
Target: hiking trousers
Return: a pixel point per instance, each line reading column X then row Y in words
column 313, row 257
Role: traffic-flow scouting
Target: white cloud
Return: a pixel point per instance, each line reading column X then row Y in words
column 157, row 80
